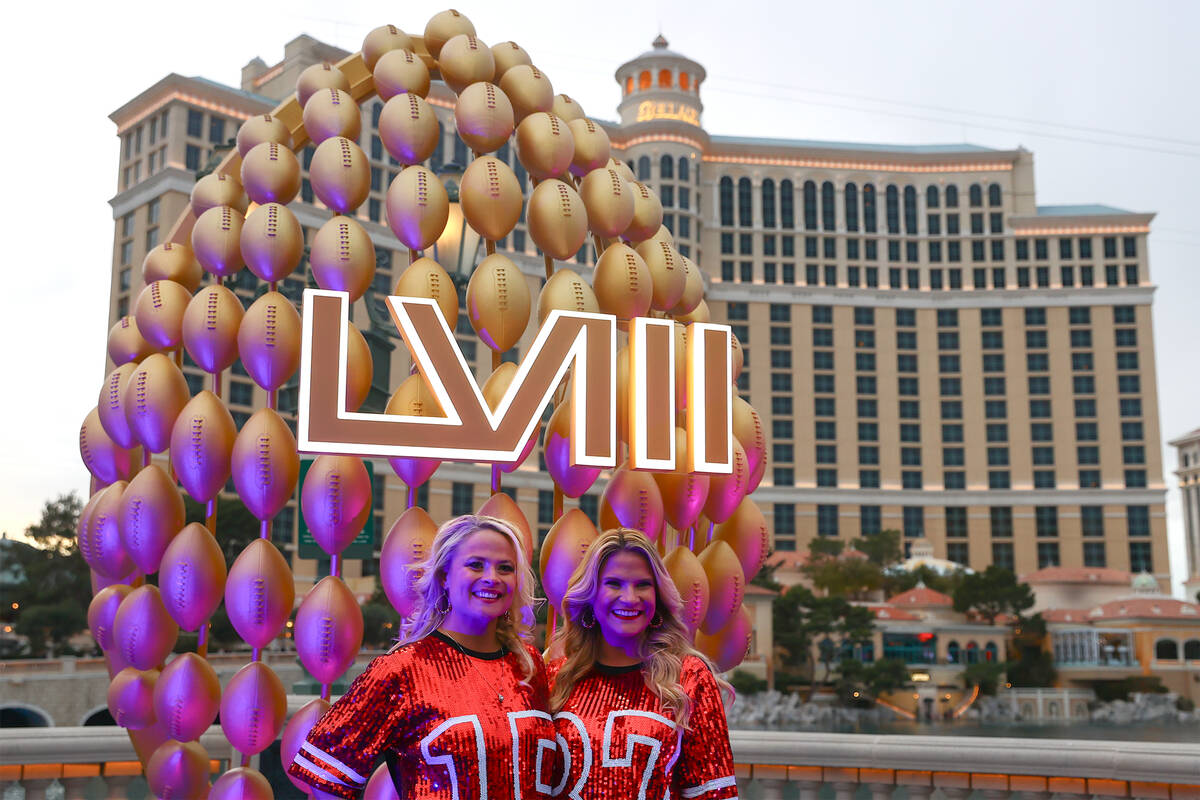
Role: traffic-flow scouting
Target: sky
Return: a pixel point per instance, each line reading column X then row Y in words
column 1102, row 92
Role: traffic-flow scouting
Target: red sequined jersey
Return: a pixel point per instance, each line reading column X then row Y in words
column 433, row 711
column 623, row 744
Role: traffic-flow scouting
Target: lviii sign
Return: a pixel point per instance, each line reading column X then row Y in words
column 472, row 431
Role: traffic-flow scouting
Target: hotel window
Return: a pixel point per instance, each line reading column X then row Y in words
column 997, row 432
column 864, row 362
column 781, row 359
column 957, row 552
column 810, row 205
column 992, row 340
column 1036, row 340
column 462, row 498
column 953, row 457
column 589, row 504
column 1140, row 559
column 995, row 409
column 823, row 384
column 910, row 409
column 870, row 520
column 1043, row 479
column 1092, row 520
column 1001, row 522
column 822, row 359
column 910, row 432
column 952, row 433
column 868, row 454
column 545, row 507
column 868, row 431
column 910, row 479
column 1133, row 430
column 784, row 515
column 851, row 207
column 999, row 479
column 725, row 194
column 1130, row 406
column 768, row 202
column 1137, row 520
column 1043, row 277
column 1002, row 555
column 956, row 521
column 997, row 456
column 1082, row 361
column 1047, row 553
column 1085, row 407
column 868, row 479
column 782, row 452
column 827, row 478
column 782, row 406
column 822, row 406
column 827, row 520
column 823, row 429
column 993, row 386
column 952, row 409
column 914, row 522
column 954, row 480
column 1127, row 359
column 1046, row 518
column 783, row 476
column 1084, row 384
column 1023, row 277
column 1041, row 432
column 781, row 381
column 1094, row 555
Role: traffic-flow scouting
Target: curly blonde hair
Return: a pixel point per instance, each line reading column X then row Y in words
column 513, row 629
column 663, row 647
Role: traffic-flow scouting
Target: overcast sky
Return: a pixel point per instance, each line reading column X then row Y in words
column 1103, row 93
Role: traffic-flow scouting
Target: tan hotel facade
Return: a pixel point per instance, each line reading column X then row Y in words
column 929, row 349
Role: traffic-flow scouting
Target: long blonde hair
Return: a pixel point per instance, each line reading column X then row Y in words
column 663, row 647
column 513, row 628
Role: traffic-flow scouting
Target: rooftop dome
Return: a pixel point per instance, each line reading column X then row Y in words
column 1145, row 583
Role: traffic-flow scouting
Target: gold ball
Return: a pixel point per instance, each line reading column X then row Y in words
column 340, row 174
column 647, row 213
column 417, row 207
column 545, row 145
column 609, row 202
column 318, row 77
column 409, row 128
column 623, row 168
column 663, row 235
column 567, row 108
column 667, row 272
column 444, row 26
column 698, row 314
column 491, row 197
column 558, row 222
column 383, row 40
column 217, row 240
column 210, row 328
column 269, row 341
column 332, row 112
column 172, row 261
column 622, row 282
column 508, row 55
column 400, row 71
column 159, row 311
column 342, row 257
column 271, row 173
column 126, row 343
column 592, row 147
column 464, row 60
column 272, row 242
column 215, row 189
column 693, row 290
column 426, row 278
column 359, row 368
column 528, row 89
column 484, row 117
column 259, row 129
column 566, row 291
column 498, row 302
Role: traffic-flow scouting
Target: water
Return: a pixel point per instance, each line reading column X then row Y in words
column 1156, row 731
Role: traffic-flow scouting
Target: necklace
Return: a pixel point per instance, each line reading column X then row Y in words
column 470, row 660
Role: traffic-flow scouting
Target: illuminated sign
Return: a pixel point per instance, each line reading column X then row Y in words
column 472, row 431
column 649, row 110
column 920, row 677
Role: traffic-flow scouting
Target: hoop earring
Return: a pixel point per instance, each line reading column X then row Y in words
column 437, row 606
column 587, row 618
column 656, row 621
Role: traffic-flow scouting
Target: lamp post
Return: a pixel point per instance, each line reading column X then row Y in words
column 455, row 249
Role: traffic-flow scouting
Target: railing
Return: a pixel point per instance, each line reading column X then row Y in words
column 33, row 666
column 770, row 765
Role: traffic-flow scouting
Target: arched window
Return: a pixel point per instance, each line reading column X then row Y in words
column 870, row 214
column 745, row 203
column 851, row 206
column 910, row 210
column 684, row 168
column 952, row 196
column 952, row 652
column 664, row 79
column 685, row 81
column 972, row 652
column 931, row 197
column 1166, row 650
column 975, row 193
column 643, row 170
column 787, row 205
column 768, row 203
column 810, row 205
column 644, row 79
column 991, row 652
column 629, row 85
column 101, row 716
column 666, row 167
column 828, row 208
column 1191, row 650
column 725, row 190
column 892, row 195
column 994, row 194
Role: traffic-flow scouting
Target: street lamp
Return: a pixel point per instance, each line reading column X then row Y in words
column 455, row 249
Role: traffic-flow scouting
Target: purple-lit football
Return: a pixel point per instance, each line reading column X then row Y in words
column 407, row 545
column 143, row 630
column 259, row 593
column 187, row 697
column 131, row 698
column 328, row 630
column 296, row 732
column 253, row 708
column 192, row 577
column 103, row 610
column 151, row 515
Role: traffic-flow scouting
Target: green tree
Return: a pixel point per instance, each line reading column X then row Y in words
column 1033, row 666
column 49, row 626
column 765, row 577
column 381, row 625
column 869, row 680
column 882, row 549
column 842, row 576
column 804, row 622
column 993, row 592
column 986, row 675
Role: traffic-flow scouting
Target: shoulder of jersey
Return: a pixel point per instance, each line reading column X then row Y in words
column 694, row 670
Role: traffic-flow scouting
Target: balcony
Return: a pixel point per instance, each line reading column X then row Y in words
column 100, row 762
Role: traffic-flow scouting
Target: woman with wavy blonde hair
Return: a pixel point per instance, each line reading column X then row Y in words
column 630, row 676
column 458, row 708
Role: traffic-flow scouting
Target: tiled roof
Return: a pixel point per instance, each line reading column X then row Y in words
column 1147, row 608
column 1084, row 209
column 1066, row 615
column 1095, row 575
column 754, row 588
column 894, row 614
column 919, row 149
column 921, row 597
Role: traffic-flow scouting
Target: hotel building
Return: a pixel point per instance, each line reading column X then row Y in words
column 929, row 349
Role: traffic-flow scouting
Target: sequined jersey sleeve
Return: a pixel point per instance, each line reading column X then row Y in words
column 341, row 749
column 705, row 767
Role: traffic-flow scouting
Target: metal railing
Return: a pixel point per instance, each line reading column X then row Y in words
column 770, row 765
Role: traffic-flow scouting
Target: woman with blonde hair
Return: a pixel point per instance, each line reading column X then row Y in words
column 631, row 679
column 458, row 708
